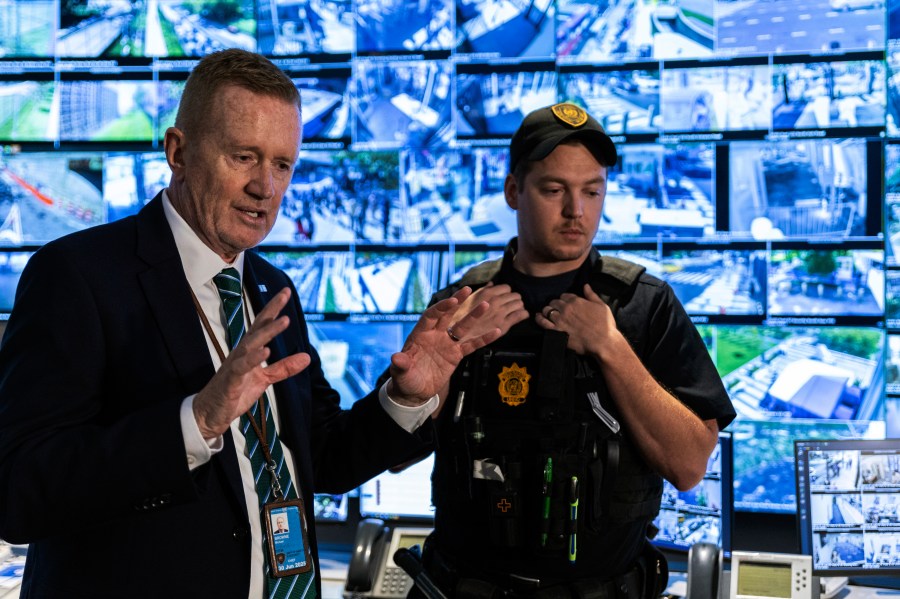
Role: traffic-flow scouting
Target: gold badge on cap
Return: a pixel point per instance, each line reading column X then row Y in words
column 570, row 114
column 514, row 384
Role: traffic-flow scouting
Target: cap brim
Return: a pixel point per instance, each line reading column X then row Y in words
column 602, row 146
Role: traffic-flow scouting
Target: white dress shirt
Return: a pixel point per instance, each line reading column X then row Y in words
column 200, row 265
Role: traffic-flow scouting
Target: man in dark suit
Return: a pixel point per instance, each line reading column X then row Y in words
column 122, row 460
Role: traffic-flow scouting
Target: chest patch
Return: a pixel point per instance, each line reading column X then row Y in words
column 513, row 384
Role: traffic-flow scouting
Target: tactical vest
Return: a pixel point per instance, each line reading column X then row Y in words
column 537, row 455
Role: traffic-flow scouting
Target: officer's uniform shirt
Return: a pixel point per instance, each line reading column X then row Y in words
column 667, row 343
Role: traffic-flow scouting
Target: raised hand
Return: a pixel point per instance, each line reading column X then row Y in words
column 242, row 378
column 505, row 308
column 433, row 350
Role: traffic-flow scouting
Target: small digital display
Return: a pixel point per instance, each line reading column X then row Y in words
column 764, row 580
column 407, row 541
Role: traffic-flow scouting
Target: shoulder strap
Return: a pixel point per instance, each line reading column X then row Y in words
column 482, row 273
column 475, row 277
column 615, row 280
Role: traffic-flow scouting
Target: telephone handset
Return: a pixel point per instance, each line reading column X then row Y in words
column 372, row 571
column 367, row 549
column 704, row 571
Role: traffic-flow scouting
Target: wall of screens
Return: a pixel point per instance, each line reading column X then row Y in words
column 759, row 171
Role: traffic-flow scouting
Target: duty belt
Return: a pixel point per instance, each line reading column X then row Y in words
column 484, row 585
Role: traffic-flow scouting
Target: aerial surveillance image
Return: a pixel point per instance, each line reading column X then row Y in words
column 154, row 27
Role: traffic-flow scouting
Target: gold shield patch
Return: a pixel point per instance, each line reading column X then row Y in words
column 569, row 114
column 514, row 384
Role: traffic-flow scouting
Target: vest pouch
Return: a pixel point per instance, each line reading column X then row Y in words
column 599, row 490
column 504, row 504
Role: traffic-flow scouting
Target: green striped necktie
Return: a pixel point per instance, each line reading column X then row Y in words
column 303, row 585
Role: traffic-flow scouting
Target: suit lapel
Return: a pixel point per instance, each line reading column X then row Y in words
column 169, row 297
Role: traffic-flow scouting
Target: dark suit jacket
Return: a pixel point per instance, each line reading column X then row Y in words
column 102, row 347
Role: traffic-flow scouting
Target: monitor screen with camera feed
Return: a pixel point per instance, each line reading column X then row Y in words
column 108, row 108
column 703, row 98
column 292, row 28
column 403, row 104
column 625, row 101
column 793, row 382
column 326, row 105
column 365, row 282
column 125, row 29
column 758, row 171
column 813, row 94
column 844, row 282
column 660, row 192
column 724, row 283
column 353, row 354
column 402, row 495
column 504, row 30
column 130, row 180
column 702, row 514
column 12, row 263
column 404, row 27
column 848, row 505
column 490, row 102
column 892, row 203
column 411, row 197
column 814, row 189
column 29, row 110
column 47, row 195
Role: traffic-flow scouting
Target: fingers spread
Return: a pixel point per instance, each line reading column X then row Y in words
column 287, row 367
column 470, row 345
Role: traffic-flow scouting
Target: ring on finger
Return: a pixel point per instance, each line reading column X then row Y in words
column 550, row 313
column 452, row 335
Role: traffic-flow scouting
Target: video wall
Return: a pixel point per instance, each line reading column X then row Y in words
column 759, row 169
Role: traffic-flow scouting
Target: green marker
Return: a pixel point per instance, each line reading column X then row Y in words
column 546, row 490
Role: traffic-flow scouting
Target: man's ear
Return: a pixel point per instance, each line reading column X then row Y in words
column 173, row 145
column 511, row 192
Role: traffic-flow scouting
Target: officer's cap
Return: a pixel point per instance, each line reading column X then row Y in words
column 545, row 128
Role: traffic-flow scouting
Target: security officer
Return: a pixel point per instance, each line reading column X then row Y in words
column 554, row 440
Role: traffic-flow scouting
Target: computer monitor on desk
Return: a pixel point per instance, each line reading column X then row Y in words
column 404, row 495
column 848, row 512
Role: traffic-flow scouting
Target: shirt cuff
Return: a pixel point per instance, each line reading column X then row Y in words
column 198, row 450
column 409, row 418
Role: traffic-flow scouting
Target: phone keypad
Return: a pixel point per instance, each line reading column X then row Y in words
column 395, row 582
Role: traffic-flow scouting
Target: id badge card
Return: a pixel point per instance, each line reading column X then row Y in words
column 287, row 538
